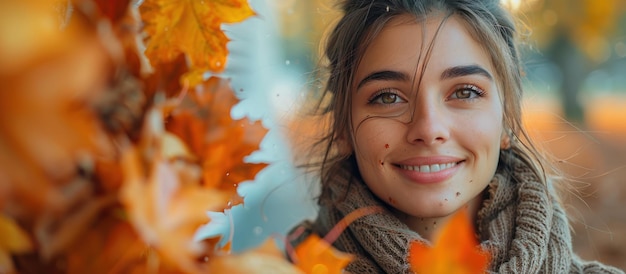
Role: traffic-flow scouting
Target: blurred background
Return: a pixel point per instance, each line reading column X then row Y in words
column 574, row 56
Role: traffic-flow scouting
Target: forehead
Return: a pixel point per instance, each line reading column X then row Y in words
column 403, row 43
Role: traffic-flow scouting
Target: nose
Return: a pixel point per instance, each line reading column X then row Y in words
column 429, row 123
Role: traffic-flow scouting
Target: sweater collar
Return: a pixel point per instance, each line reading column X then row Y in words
column 514, row 223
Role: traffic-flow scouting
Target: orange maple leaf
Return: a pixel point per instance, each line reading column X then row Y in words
column 220, row 142
column 455, row 250
column 266, row 258
column 109, row 245
column 192, row 28
column 163, row 197
column 165, row 78
column 113, row 10
column 317, row 256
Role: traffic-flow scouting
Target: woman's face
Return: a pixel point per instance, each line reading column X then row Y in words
column 426, row 147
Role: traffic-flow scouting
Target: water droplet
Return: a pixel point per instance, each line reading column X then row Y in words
column 227, row 174
column 287, row 62
column 258, row 230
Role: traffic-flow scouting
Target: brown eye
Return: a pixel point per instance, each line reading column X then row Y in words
column 388, row 98
column 463, row 93
column 467, row 92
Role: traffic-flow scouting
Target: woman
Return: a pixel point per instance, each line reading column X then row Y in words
column 426, row 120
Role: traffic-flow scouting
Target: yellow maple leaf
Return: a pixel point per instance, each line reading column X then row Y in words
column 455, row 250
column 192, row 28
column 24, row 24
column 12, row 240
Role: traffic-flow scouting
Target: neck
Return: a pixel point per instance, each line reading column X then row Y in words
column 429, row 227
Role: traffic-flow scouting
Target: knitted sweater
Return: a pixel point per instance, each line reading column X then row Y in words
column 520, row 224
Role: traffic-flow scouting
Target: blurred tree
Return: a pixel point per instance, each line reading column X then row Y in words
column 304, row 25
column 577, row 35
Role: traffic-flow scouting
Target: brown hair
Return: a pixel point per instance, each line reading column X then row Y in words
column 486, row 20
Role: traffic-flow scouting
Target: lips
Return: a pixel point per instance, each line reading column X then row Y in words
column 429, row 170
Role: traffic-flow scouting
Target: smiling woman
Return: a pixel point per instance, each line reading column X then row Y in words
column 426, row 121
column 443, row 123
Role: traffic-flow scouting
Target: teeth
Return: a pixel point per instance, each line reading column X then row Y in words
column 429, row 168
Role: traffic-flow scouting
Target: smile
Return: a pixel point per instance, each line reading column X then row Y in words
column 429, row 168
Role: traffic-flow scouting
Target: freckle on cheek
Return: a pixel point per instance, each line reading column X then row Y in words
column 386, row 145
column 391, row 201
column 458, row 194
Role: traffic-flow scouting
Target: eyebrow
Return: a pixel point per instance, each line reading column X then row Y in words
column 388, row 75
column 457, row 71
column 460, row 71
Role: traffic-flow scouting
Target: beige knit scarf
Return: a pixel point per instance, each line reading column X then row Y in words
column 520, row 224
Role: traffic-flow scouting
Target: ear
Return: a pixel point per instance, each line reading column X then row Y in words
column 505, row 139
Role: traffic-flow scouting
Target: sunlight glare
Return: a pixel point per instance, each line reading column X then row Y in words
column 512, row 5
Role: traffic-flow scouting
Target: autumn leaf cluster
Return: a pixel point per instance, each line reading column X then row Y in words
column 114, row 144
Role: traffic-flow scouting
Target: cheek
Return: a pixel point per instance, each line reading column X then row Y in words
column 488, row 123
column 480, row 132
column 373, row 139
